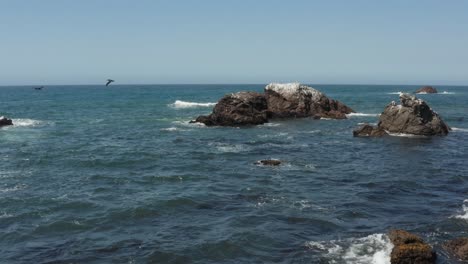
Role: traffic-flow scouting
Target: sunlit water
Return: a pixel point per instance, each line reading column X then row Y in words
column 117, row 175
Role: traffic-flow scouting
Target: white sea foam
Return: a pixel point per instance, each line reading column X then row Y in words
column 405, row 135
column 183, row 104
column 373, row 249
column 445, row 92
column 14, row 188
column 399, row 93
column 361, row 114
column 230, row 148
column 270, row 124
column 456, row 129
column 188, row 124
column 170, row 129
column 28, row 122
column 464, row 214
column 5, row 215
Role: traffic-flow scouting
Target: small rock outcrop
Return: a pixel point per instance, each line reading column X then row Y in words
column 410, row 249
column 238, row 109
column 367, row 130
column 270, row 162
column 458, row 247
column 296, row 100
column 5, row 121
column 426, row 90
column 413, row 116
column 291, row 100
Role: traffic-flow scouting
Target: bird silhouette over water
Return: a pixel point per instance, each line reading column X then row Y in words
column 109, row 81
column 38, row 88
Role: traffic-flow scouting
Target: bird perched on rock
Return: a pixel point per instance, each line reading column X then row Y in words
column 109, row 81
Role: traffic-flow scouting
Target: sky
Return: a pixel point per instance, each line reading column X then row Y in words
column 46, row 42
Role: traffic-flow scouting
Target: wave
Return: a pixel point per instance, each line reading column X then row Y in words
column 27, row 122
column 171, row 129
column 362, row 114
column 464, row 214
column 395, row 93
column 456, row 129
column 183, row 104
column 375, row 249
column 445, row 92
column 188, row 124
column 405, row 135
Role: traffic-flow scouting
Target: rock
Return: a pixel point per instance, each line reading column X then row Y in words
column 410, row 249
column 413, row 116
column 367, row 130
column 458, row 247
column 5, row 121
column 238, row 109
column 426, row 90
column 270, row 162
column 296, row 100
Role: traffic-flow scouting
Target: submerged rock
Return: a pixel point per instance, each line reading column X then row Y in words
column 238, row 109
column 270, row 162
column 367, row 130
column 5, row 121
column 296, row 100
column 426, row 89
column 413, row 116
column 410, row 249
column 458, row 247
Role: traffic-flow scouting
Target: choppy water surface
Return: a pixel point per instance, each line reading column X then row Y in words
column 118, row 175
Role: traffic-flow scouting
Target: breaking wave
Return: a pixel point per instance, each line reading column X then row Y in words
column 361, row 114
column 183, row 104
column 464, row 214
column 375, row 249
column 456, row 129
column 27, row 122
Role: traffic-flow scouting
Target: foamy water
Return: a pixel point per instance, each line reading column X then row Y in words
column 373, row 249
column 20, row 122
column 361, row 114
column 183, row 104
column 464, row 213
column 456, row 129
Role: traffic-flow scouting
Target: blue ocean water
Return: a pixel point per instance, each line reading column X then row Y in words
column 118, row 175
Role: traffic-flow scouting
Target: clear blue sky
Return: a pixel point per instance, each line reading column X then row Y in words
column 233, row 41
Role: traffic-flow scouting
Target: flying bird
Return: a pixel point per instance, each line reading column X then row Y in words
column 109, row 81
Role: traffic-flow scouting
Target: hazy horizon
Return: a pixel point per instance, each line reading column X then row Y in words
column 55, row 42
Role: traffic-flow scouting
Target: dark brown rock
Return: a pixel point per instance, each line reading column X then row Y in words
column 426, row 89
column 410, row 249
column 367, row 130
column 238, row 109
column 296, row 100
column 458, row 247
column 412, row 116
column 270, row 162
column 5, row 121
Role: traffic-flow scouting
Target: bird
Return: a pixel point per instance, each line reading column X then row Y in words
column 38, row 88
column 109, row 81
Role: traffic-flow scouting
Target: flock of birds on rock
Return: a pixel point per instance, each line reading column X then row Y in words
column 109, row 81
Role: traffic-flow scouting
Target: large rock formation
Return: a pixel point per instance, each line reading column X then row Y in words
column 413, row 116
column 367, row 130
column 5, row 121
column 458, row 247
column 242, row 108
column 296, row 100
column 426, row 90
column 410, row 249
column 279, row 101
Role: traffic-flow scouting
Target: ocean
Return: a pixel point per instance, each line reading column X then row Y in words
column 91, row 174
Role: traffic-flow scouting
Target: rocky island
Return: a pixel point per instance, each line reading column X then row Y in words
column 290, row 100
column 413, row 116
column 426, row 90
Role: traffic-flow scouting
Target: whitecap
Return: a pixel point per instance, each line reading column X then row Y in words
column 183, row 104
column 14, row 188
column 5, row 215
column 399, row 93
column 456, row 129
column 27, row 122
column 464, row 214
column 405, row 135
column 361, row 114
column 188, row 124
column 445, row 92
column 270, row 124
column 375, row 249
column 170, row 129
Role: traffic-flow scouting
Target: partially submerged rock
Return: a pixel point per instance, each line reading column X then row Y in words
column 426, row 90
column 5, row 121
column 237, row 109
column 413, row 116
column 296, row 100
column 410, row 249
column 458, row 247
column 367, row 130
column 270, row 162
column 279, row 101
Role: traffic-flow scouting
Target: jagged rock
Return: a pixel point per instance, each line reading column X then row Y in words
column 5, row 121
column 367, row 130
column 426, row 89
column 270, row 162
column 410, row 249
column 238, row 109
column 458, row 247
column 296, row 100
column 414, row 117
